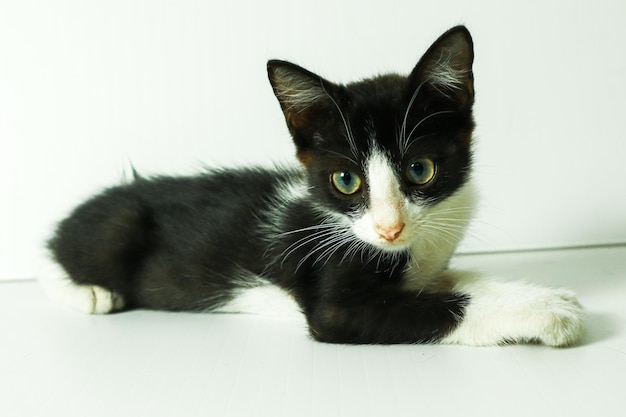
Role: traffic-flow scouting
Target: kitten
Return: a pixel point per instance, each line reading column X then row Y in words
column 359, row 235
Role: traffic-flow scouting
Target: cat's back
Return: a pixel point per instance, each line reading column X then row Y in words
column 228, row 188
column 227, row 200
column 215, row 187
column 221, row 202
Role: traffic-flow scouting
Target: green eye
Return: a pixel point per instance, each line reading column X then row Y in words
column 346, row 182
column 421, row 171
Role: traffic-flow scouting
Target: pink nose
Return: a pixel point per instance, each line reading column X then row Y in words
column 389, row 233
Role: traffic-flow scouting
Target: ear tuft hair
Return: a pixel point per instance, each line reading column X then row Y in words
column 296, row 89
column 447, row 65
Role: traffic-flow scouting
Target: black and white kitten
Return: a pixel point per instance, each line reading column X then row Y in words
column 359, row 236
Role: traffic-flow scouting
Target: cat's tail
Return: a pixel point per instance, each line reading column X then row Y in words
column 62, row 290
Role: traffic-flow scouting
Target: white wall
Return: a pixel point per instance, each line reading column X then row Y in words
column 87, row 86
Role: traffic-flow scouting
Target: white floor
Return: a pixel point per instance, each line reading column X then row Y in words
column 55, row 362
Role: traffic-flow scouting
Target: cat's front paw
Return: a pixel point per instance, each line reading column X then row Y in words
column 510, row 312
column 562, row 315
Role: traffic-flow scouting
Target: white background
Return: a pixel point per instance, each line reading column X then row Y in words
column 88, row 87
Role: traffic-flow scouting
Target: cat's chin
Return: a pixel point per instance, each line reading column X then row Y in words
column 403, row 243
column 397, row 246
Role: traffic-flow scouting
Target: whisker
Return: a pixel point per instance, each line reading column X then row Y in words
column 448, row 218
column 303, row 242
column 416, row 140
column 346, row 124
column 309, row 228
column 329, row 253
column 453, row 209
column 402, row 136
column 435, row 238
column 342, row 156
column 326, row 243
column 450, row 233
column 425, row 119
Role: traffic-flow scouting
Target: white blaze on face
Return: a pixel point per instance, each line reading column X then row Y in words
column 384, row 222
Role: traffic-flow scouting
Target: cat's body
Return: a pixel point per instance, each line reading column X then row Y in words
column 359, row 237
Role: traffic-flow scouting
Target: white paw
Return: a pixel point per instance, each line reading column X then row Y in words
column 510, row 312
column 91, row 299
column 559, row 319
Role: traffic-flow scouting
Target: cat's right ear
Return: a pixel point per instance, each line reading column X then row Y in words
column 302, row 96
column 297, row 89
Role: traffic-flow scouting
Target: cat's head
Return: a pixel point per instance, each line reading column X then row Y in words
column 386, row 153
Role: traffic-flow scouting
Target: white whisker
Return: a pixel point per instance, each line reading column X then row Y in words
column 445, row 231
column 425, row 119
column 330, row 242
column 308, row 239
column 402, row 138
column 346, row 124
column 309, row 228
column 342, row 156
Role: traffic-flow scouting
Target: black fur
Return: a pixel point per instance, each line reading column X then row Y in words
column 191, row 243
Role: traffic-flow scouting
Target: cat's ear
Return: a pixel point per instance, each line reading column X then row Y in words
column 446, row 68
column 303, row 97
column 298, row 90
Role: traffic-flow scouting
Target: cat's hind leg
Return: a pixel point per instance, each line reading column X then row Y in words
column 91, row 299
column 510, row 312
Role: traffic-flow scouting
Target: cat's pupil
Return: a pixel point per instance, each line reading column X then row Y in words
column 346, row 178
column 418, row 169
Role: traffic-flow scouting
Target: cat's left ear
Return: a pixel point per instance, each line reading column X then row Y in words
column 446, row 68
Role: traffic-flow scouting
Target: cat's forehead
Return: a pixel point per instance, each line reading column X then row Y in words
column 377, row 96
column 384, row 114
column 382, row 103
column 370, row 110
column 381, row 86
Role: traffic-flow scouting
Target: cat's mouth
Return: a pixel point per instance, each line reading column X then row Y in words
column 395, row 239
